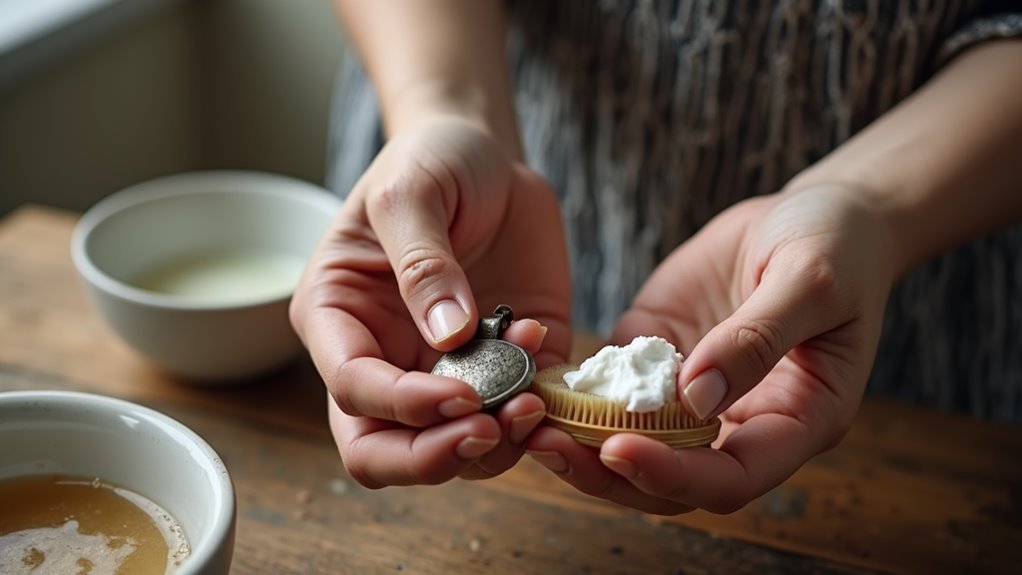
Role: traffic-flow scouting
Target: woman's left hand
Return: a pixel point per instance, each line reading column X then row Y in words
column 778, row 303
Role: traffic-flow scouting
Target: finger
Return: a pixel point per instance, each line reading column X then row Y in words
column 547, row 348
column 794, row 301
column 517, row 419
column 411, row 217
column 527, row 334
column 755, row 458
column 362, row 384
column 371, row 387
column 377, row 454
column 519, row 416
column 368, row 386
column 580, row 467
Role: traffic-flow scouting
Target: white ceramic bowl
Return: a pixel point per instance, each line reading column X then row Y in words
column 233, row 330
column 57, row 432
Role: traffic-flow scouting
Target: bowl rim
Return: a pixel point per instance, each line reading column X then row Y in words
column 224, row 515
column 185, row 184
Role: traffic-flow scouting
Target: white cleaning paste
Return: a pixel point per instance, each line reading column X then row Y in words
column 641, row 375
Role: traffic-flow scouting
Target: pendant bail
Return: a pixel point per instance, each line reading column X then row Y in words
column 492, row 327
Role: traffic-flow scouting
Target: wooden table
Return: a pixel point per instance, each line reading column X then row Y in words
column 909, row 490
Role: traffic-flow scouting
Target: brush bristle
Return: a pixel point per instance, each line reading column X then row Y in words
column 591, row 418
column 591, row 409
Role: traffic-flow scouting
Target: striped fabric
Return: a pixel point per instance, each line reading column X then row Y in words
column 649, row 117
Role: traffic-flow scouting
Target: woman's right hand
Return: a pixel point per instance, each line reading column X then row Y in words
column 440, row 229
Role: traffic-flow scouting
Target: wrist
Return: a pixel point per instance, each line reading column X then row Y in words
column 429, row 101
column 942, row 166
column 874, row 211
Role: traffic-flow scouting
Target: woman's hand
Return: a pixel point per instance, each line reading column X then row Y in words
column 778, row 304
column 441, row 228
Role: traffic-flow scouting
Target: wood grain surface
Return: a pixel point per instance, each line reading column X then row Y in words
column 908, row 490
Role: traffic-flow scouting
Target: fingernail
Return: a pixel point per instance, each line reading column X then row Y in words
column 620, row 465
column 473, row 447
column 705, row 393
column 457, row 407
column 551, row 460
column 445, row 319
column 523, row 425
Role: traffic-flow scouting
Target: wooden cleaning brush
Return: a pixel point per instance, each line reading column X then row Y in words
column 591, row 419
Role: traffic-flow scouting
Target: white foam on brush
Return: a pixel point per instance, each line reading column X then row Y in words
column 641, row 375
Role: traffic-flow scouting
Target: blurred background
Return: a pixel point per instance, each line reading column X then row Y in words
column 96, row 95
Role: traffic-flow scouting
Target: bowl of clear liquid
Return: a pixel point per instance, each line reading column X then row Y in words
column 195, row 271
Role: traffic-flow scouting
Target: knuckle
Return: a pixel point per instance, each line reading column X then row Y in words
column 821, row 278
column 387, row 198
column 339, row 385
column 340, row 392
column 400, row 192
column 761, row 344
column 355, row 463
column 419, row 268
column 342, row 388
column 402, row 409
column 358, row 473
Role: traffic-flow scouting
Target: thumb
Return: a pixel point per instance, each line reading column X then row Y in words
column 411, row 222
column 784, row 310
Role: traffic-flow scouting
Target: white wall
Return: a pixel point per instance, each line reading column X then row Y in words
column 267, row 74
column 119, row 111
column 201, row 84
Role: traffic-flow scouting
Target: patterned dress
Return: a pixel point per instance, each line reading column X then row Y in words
column 649, row 117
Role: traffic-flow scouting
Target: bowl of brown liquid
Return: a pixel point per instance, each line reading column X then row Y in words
column 93, row 484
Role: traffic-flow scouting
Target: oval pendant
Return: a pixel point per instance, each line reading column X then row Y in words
column 497, row 369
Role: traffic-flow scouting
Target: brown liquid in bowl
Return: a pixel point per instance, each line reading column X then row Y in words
column 69, row 525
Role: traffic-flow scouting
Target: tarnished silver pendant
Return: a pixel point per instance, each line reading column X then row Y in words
column 497, row 369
